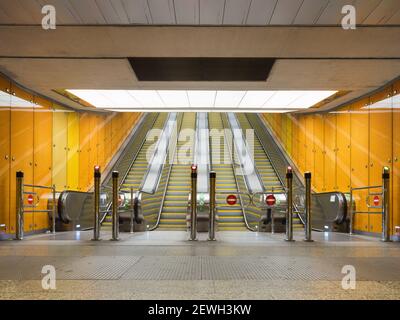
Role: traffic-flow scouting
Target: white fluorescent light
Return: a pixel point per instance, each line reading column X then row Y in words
column 255, row 99
column 199, row 99
column 308, row 99
column 203, row 100
column 388, row 103
column 228, row 99
column 7, row 100
column 174, row 98
column 147, row 98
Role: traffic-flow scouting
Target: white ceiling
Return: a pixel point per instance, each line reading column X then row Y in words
column 203, row 12
column 204, row 100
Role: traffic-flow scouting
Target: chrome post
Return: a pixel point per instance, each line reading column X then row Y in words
column 289, row 211
column 193, row 204
column 272, row 221
column 211, row 229
column 54, row 210
column 132, row 210
column 350, row 210
column 19, row 226
column 96, row 227
column 307, row 229
column 386, row 205
column 115, row 205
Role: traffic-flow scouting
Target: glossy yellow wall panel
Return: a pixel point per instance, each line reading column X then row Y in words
column 108, row 139
column 309, row 144
column 319, row 147
column 295, row 139
column 60, row 138
column 73, row 152
column 301, row 161
column 5, row 121
column 85, row 171
column 21, row 155
column 43, row 127
column 343, row 140
column 330, row 152
column 288, row 127
column 360, row 159
column 396, row 159
column 100, row 142
column 380, row 150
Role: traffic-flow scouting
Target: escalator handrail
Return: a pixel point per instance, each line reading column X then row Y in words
column 246, row 149
column 155, row 153
column 274, row 167
column 168, row 177
column 122, row 181
column 234, row 175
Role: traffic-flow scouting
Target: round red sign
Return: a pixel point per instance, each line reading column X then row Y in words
column 30, row 199
column 270, row 200
column 231, row 199
column 376, row 201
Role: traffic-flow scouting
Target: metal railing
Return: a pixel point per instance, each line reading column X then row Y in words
column 225, row 123
column 384, row 194
column 21, row 208
column 126, row 162
column 161, row 189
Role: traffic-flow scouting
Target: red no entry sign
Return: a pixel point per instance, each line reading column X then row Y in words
column 30, row 199
column 270, row 200
column 231, row 199
column 376, row 201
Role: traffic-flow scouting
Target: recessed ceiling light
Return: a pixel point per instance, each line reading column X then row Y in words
column 202, row 100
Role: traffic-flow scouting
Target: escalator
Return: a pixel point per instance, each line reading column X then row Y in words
column 75, row 209
column 173, row 214
column 138, row 167
column 229, row 217
column 329, row 209
column 265, row 168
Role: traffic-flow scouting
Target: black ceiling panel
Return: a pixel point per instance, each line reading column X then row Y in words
column 202, row 69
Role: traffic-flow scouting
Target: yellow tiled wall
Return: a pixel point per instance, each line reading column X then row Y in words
column 348, row 147
column 52, row 145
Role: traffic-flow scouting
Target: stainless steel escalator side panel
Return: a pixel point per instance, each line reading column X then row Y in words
column 246, row 162
column 329, row 209
column 158, row 159
column 202, row 152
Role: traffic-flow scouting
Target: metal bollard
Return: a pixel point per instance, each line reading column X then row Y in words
column 289, row 211
column 193, row 204
column 386, row 205
column 132, row 211
column 350, row 211
column 96, row 228
column 272, row 220
column 211, row 229
column 115, row 204
column 307, row 229
column 19, row 226
column 54, row 210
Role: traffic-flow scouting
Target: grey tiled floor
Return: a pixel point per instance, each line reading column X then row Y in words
column 164, row 265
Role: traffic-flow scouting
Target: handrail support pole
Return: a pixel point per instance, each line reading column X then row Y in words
column 19, row 226
column 308, row 227
column 96, row 227
column 211, row 229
